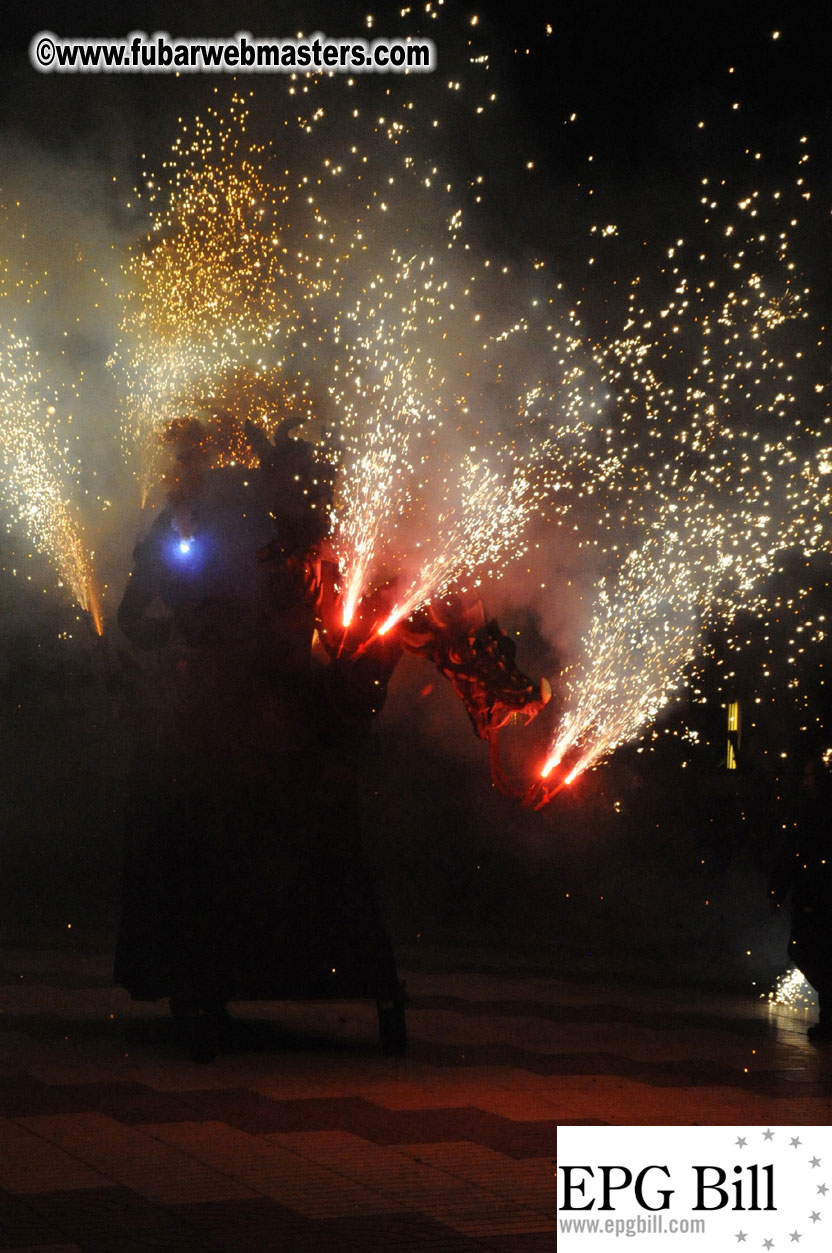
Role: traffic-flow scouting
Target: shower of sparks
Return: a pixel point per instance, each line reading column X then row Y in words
column 446, row 444
column 36, row 474
column 382, row 412
column 645, row 629
column 474, row 535
column 793, row 990
column 212, row 296
column 370, row 499
column 720, row 458
column 238, row 297
column 408, row 503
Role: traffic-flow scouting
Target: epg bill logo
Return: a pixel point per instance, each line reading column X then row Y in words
column 708, row 1195
column 765, row 1187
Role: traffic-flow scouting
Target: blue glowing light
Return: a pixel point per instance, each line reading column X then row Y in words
column 185, row 553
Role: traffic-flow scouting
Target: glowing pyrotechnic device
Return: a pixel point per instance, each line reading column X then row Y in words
column 390, row 621
column 559, row 775
column 185, row 547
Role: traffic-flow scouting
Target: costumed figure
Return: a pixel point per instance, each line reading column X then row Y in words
column 244, row 876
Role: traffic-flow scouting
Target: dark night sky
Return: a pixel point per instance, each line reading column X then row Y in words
column 638, row 76
column 635, row 73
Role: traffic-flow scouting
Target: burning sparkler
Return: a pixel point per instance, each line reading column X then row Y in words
column 412, row 502
column 36, row 474
column 485, row 526
column 735, row 474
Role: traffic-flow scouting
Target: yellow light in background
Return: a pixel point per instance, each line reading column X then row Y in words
column 734, row 727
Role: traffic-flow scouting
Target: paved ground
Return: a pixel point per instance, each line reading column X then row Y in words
column 303, row 1137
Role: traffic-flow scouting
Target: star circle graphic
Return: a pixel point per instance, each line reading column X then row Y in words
column 779, row 1199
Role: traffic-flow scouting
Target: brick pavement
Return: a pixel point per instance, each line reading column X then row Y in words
column 303, row 1137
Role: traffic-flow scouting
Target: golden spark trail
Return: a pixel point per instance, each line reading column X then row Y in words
column 482, row 530
column 409, row 502
column 212, row 296
column 247, row 295
column 381, row 410
column 645, row 629
column 36, row 475
column 719, row 464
